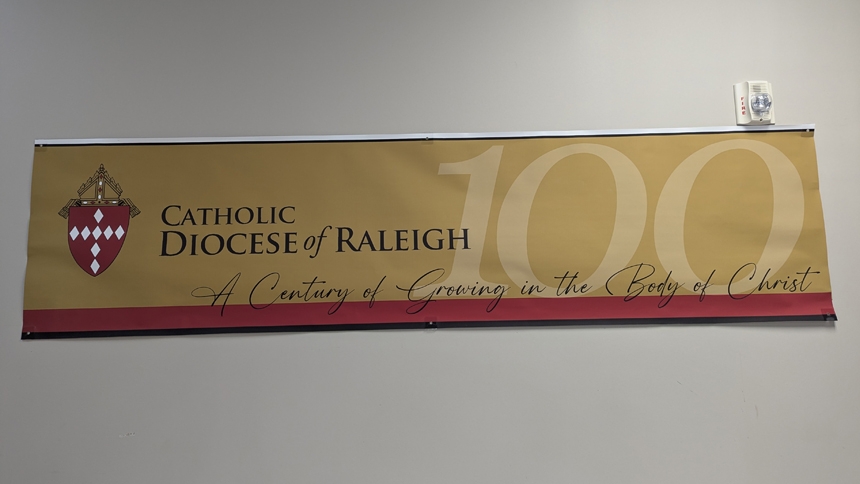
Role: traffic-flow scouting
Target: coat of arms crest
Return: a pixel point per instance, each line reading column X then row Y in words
column 98, row 222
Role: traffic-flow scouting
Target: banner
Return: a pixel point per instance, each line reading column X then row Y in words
column 272, row 234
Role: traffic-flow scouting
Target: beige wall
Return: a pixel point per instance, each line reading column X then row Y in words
column 756, row 403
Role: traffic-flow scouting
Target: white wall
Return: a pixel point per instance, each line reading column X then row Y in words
column 741, row 403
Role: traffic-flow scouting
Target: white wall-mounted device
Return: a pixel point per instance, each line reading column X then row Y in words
column 754, row 103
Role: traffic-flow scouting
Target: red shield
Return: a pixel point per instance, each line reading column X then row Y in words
column 96, row 234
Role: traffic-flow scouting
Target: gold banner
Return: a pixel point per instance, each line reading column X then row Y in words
column 149, row 237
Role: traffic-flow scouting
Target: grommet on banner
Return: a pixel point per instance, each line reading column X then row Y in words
column 430, row 324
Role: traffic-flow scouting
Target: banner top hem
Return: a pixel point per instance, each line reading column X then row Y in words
column 420, row 136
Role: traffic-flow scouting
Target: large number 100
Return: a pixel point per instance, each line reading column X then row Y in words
column 630, row 217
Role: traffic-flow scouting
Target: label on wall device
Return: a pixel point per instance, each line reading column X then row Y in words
column 274, row 234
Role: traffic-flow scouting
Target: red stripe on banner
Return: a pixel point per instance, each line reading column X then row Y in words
column 40, row 321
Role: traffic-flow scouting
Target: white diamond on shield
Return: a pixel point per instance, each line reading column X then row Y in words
column 86, row 232
column 95, row 249
column 97, row 232
column 108, row 232
column 119, row 232
column 94, row 266
column 74, row 233
column 98, row 215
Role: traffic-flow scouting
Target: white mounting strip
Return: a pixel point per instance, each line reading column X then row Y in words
column 422, row 136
